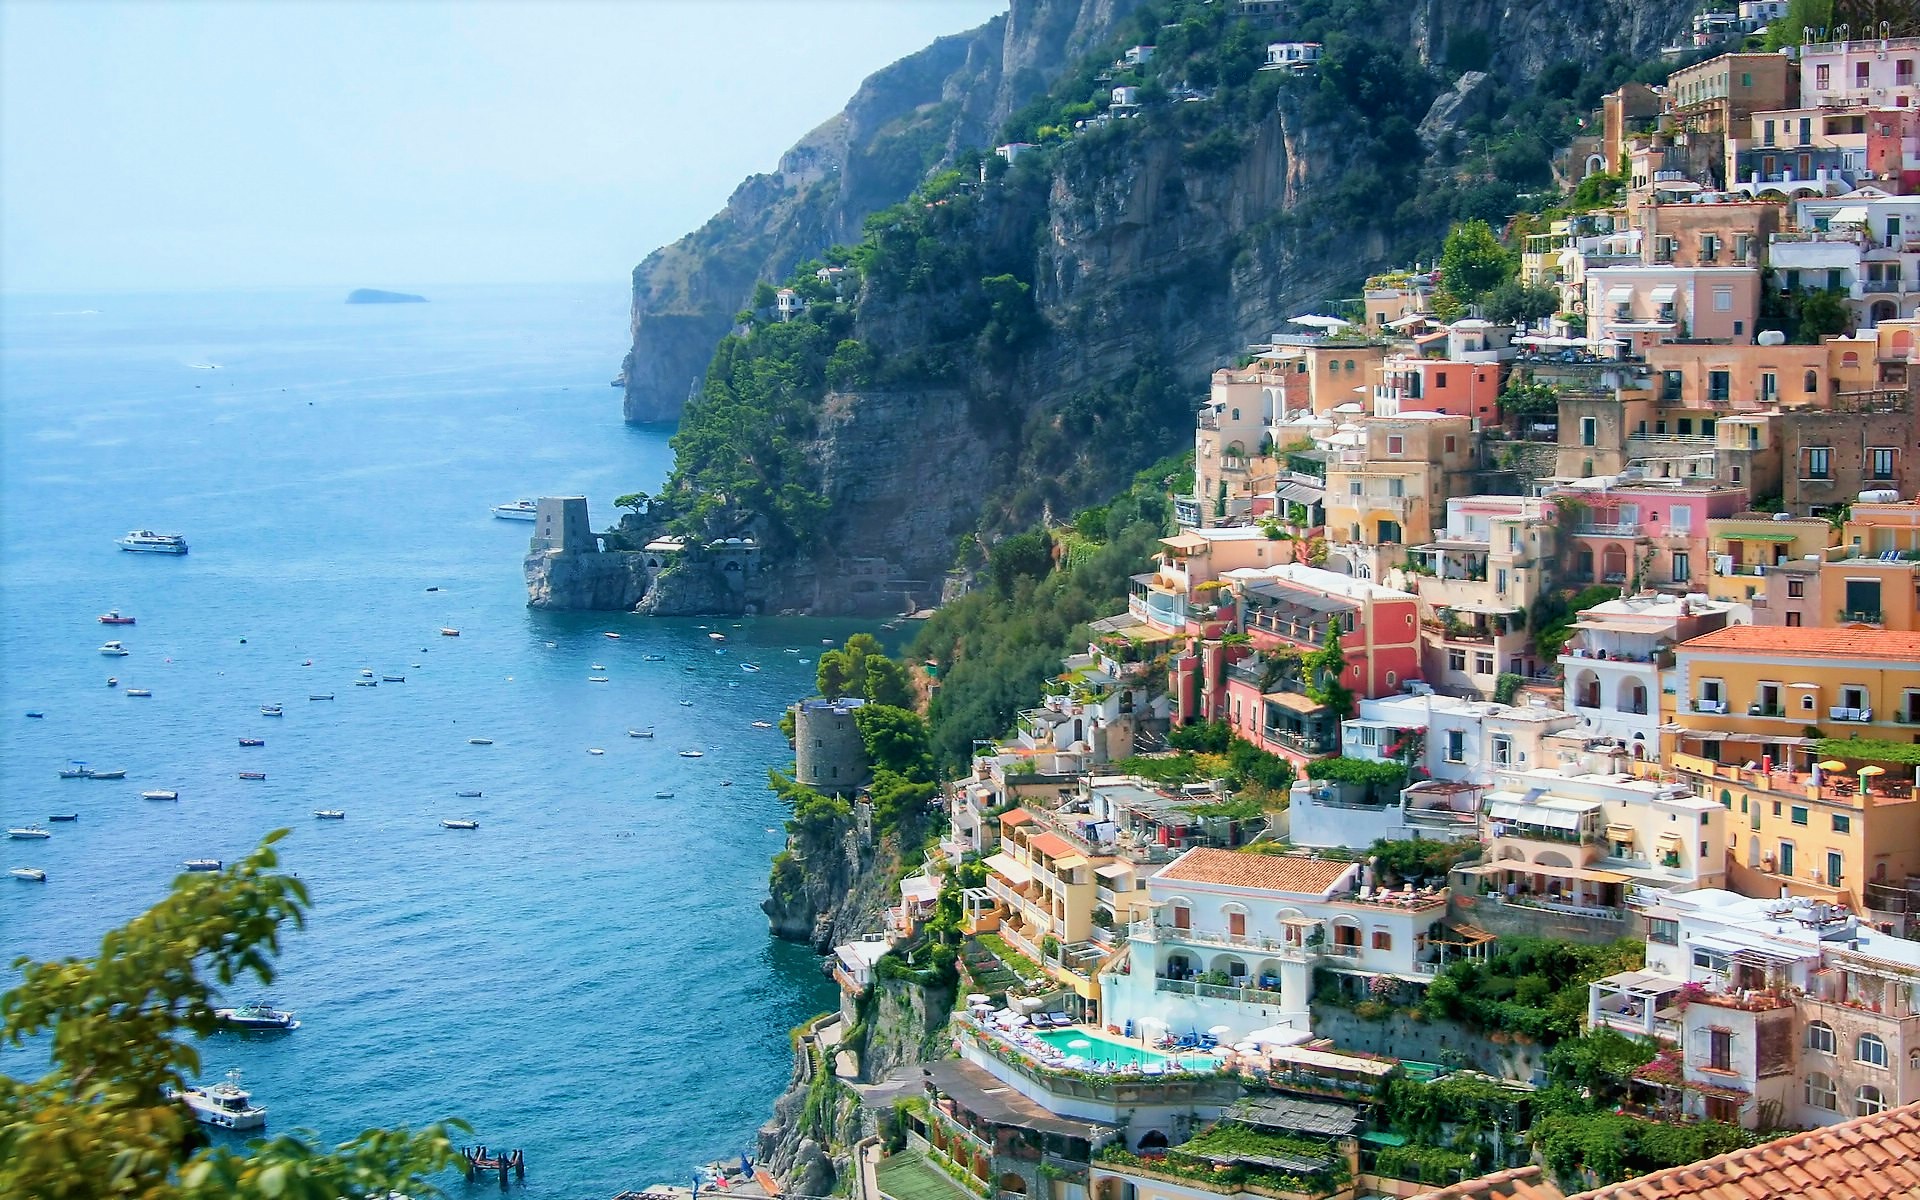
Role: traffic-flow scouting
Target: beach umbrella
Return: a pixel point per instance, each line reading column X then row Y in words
column 1079, row 1044
column 1867, row 771
column 979, row 998
column 1833, row 764
column 1221, row 1030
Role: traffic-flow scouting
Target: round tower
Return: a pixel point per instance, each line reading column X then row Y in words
column 828, row 755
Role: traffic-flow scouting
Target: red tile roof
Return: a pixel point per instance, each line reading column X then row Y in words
column 1274, row 872
column 1521, row 1183
column 1018, row 816
column 1053, row 845
column 1775, row 640
column 1867, row 1158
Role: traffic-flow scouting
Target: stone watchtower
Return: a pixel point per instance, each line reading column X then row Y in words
column 828, row 755
column 561, row 526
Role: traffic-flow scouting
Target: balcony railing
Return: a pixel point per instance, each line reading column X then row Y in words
column 1861, row 716
column 1607, row 529
column 1326, row 743
column 1222, row 938
column 1215, row 991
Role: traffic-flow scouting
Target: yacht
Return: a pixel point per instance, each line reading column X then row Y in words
column 330, row 814
column 271, row 710
column 30, row 874
column 222, row 1105
column 453, row 823
column 160, row 794
column 519, row 510
column 23, row 833
column 113, row 617
column 202, row 864
column 146, row 541
column 114, row 650
column 257, row 1016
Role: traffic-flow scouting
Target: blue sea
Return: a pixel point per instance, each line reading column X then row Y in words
column 586, row 976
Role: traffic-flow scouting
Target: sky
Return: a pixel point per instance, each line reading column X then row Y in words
column 405, row 143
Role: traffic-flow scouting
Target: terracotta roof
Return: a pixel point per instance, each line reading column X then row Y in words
column 1053, row 845
column 1018, row 816
column 1521, row 1183
column 1867, row 1158
column 1810, row 643
column 1273, row 872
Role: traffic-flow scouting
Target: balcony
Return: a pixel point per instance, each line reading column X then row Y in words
column 1857, row 716
column 1324, row 743
column 1607, row 529
column 1216, row 991
column 1717, row 707
column 1223, row 939
column 1860, row 616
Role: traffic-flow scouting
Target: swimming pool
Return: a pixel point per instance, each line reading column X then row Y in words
column 1101, row 1048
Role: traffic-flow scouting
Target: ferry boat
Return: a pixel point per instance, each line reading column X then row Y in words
column 519, row 510
column 253, row 741
column 258, row 1016
column 114, row 650
column 271, row 710
column 22, row 833
column 30, row 874
column 253, row 774
column 330, row 814
column 146, row 541
column 160, row 794
column 113, row 617
column 202, row 864
column 452, row 823
column 222, row 1105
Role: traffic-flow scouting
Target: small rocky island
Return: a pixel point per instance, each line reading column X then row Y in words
column 376, row 296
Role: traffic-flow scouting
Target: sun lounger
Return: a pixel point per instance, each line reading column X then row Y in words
column 1060, row 1020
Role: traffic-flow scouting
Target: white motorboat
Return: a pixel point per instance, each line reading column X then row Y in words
column 146, row 541
column 30, row 874
column 330, row 814
column 663, row 795
column 456, row 823
column 612, row 635
column 114, row 650
column 693, row 754
column 686, row 704
column 763, row 724
column 257, row 1017
column 202, row 864
column 160, row 794
column 641, row 733
column 366, row 672
column 118, row 773
column 21, row 833
column 595, row 750
column 519, row 510
column 749, row 666
column 222, row 1105
column 653, row 658
column 271, row 710
column 718, row 637
column 596, row 666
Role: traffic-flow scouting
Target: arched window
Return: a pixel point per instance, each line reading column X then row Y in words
column 1820, row 1037
column 1870, row 1050
column 1349, row 364
column 1821, row 1093
column 1868, row 1101
column 1813, row 382
column 1333, row 364
column 1849, row 361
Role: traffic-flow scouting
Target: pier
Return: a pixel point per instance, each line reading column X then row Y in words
column 479, row 1163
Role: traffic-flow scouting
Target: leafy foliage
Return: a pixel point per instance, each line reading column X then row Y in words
column 1420, row 858
column 860, row 668
column 99, row 1124
column 1473, row 262
column 1382, row 780
column 1326, row 670
column 1554, row 613
column 1532, row 986
column 897, row 748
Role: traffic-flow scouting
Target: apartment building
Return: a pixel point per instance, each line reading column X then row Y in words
column 1634, row 307
column 1713, row 100
column 1641, row 534
column 1702, row 229
column 1387, row 490
column 1859, row 445
column 1618, row 666
column 1868, row 73
column 1410, row 384
column 1476, row 582
column 1744, row 547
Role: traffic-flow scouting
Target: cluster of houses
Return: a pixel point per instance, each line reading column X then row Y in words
column 1722, row 761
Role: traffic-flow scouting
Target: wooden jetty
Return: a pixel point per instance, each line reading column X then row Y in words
column 480, row 1162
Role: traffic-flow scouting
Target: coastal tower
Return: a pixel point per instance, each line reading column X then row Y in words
column 561, row 526
column 828, row 753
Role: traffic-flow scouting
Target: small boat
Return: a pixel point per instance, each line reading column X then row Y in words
column 366, row 683
column 653, row 658
column 77, row 770
column 663, row 795
column 30, row 874
column 160, row 794
column 473, row 795
column 139, row 693
column 519, row 510
column 330, row 814
column 393, row 679
column 613, row 635
column 35, row 716
column 693, row 754
column 452, row 823
column 114, row 650
column 763, row 724
column 641, row 733
column 113, row 617
column 253, row 774
column 366, row 672
column 688, row 670
column 595, row 750
column 64, row 817
column 718, row 637
column 321, row 696
column 749, row 666
column 112, row 681
column 202, row 864
column 118, row 774
column 257, row 1017
column 434, row 588
column 449, row 631
column 686, row 704
column 23, row 833
column 222, row 1105
column 596, row 666
column 271, row 710
column 146, row 541
column 597, row 679
column 726, row 783
column 479, row 741
column 253, row 741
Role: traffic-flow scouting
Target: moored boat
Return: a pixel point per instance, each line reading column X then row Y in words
column 473, row 795
column 330, row 814
column 595, row 750
column 271, row 710
column 118, row 774
column 613, row 635
column 258, row 1016
column 366, row 683
column 113, row 617
column 459, row 823
column 36, row 715
column 202, row 864
column 749, row 666
column 479, row 741
column 519, row 510
column 160, row 794
column 30, row 874
column 763, row 724
column 693, row 754
column 146, row 541
column 393, row 679
column 253, row 774
column 449, row 631
column 114, row 650
column 653, row 658
column 641, row 733
column 663, row 795
column 320, row 696
column 597, row 679
column 139, row 693
column 23, row 833
column 253, row 741
column 222, row 1105
column 64, row 817
column 718, row 637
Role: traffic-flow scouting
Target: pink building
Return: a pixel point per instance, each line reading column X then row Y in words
column 1638, row 306
column 1870, row 73
column 1642, row 535
column 1438, row 385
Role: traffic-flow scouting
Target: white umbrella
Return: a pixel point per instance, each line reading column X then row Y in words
column 1318, row 322
column 1221, row 1030
column 1349, row 406
column 1079, row 1044
column 1675, row 185
column 979, row 998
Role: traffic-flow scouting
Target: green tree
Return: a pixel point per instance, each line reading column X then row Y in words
column 634, row 501
column 1514, row 301
column 1023, row 556
column 1473, row 262
column 1326, row 675
column 1823, row 313
column 99, row 1123
column 843, row 672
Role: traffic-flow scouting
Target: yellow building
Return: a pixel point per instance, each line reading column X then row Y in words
column 1743, row 547
column 1390, row 485
column 1748, row 695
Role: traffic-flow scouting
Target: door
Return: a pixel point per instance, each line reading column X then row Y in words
column 1786, row 859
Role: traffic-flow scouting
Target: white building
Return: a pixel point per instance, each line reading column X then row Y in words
column 789, row 303
column 1136, row 56
column 1126, row 96
column 1292, row 56
column 1235, row 937
column 1866, row 242
column 1619, row 663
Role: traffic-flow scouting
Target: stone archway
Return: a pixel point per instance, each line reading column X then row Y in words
column 1152, row 1139
column 1012, row 1184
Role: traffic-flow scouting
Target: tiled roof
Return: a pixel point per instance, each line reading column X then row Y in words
column 1052, row 845
column 1521, row 1183
column 1867, row 1158
column 1273, row 872
column 1811, row 643
column 1018, row 816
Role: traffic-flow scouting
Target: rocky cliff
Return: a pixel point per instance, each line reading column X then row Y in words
column 903, row 122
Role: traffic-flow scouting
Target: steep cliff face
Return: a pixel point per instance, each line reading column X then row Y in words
column 830, row 886
column 904, row 121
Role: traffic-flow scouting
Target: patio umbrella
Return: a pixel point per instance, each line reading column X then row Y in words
column 1079, row 1044
column 979, row 998
column 1221, row 1030
column 1868, row 771
column 1319, row 322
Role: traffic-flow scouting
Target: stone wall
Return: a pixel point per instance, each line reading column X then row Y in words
column 1399, row 1036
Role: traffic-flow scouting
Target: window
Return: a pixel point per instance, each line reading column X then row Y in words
column 1439, row 379
column 1869, row 1049
column 1482, row 664
column 1820, row 1038
column 1880, row 462
column 1722, row 299
column 1793, row 622
column 1354, row 489
column 1812, row 382
column 1710, row 960
column 1868, row 1101
column 1822, row 76
column 1842, row 824
column 1821, row 1093
column 1799, row 815
column 1502, row 750
column 1382, row 940
column 1680, row 519
column 1368, row 735
column 1796, row 588
column 1396, row 445
column 1720, row 1049
column 1666, row 932
column 1589, row 431
column 1719, row 387
column 1456, row 745
column 1819, row 463
column 1456, row 659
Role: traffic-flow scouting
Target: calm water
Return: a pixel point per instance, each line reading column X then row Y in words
column 587, row 976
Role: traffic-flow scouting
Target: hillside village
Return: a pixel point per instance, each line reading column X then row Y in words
column 1578, row 650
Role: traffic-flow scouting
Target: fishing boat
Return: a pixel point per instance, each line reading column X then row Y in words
column 30, row 874
column 114, row 650
column 449, row 631
column 253, row 774
column 113, row 617
column 693, row 754
column 222, row 1105
column 459, row 823
column 253, row 741
column 146, row 541
column 271, row 710
column 202, row 864
column 258, row 1017
column 519, row 510
column 64, row 817
column 479, row 741
column 139, row 693
column 76, row 770
column 119, row 774
column 641, row 733
column 393, row 679
column 320, row 696
column 330, row 814
column 24, row 833
column 160, row 794
column 473, row 795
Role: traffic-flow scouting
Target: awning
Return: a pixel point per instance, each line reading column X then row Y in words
column 1300, row 493
column 1758, row 537
column 1300, row 1056
column 1613, row 627
column 1185, row 541
column 1665, row 293
column 1069, row 862
column 1621, row 833
column 1018, row 816
column 1006, row 868
column 1591, row 876
column 1852, row 214
column 1620, row 295
column 1295, row 702
column 1536, row 814
column 1670, row 839
column 1113, row 870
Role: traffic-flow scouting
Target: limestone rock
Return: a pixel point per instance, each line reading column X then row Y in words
column 1468, row 98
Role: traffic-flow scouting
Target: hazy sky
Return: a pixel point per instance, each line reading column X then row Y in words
column 405, row 143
